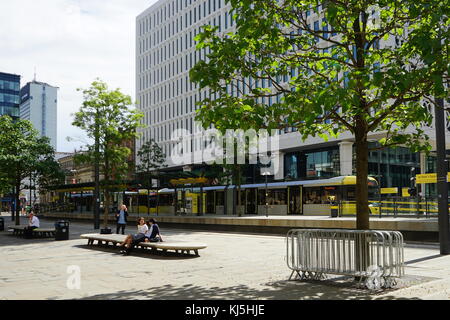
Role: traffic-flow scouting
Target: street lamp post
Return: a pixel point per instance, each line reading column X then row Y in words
column 442, row 185
column 266, row 174
column 97, row 175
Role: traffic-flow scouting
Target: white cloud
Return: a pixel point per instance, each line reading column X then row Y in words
column 71, row 43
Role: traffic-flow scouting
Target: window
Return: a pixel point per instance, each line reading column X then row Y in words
column 325, row 28
column 275, row 197
column 316, row 29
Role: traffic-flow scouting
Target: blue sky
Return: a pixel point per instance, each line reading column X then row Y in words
column 70, row 43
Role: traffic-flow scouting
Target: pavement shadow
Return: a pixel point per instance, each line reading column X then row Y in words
column 280, row 290
column 140, row 253
column 8, row 239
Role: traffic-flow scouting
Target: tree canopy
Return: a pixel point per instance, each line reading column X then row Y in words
column 107, row 118
column 328, row 67
column 23, row 152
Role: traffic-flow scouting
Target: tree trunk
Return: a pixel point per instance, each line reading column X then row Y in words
column 362, row 172
column 239, row 191
column 148, row 195
column 362, row 258
column 17, row 206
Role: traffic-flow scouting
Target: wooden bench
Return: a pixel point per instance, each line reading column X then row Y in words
column 183, row 247
column 39, row 232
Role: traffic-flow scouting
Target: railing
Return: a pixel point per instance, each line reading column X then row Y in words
column 375, row 257
column 395, row 207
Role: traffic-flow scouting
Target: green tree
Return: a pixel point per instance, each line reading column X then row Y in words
column 48, row 173
column 151, row 159
column 355, row 67
column 23, row 151
column 107, row 118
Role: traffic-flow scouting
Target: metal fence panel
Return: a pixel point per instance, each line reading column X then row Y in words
column 377, row 257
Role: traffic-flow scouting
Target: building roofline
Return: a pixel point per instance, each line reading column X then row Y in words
column 149, row 9
column 41, row 83
column 10, row 74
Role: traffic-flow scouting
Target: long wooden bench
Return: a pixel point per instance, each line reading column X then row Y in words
column 39, row 232
column 183, row 247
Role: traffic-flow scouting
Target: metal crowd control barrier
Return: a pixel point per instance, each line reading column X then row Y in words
column 375, row 257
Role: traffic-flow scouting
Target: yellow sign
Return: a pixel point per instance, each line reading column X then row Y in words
column 189, row 181
column 389, row 190
column 405, row 192
column 429, row 178
column 426, row 178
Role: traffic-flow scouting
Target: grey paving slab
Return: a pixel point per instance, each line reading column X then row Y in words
column 234, row 266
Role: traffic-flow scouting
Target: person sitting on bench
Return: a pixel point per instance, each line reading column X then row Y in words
column 133, row 239
column 153, row 234
column 33, row 223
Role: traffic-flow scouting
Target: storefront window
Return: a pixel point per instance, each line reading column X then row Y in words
column 392, row 166
column 317, row 164
column 323, row 164
column 291, row 166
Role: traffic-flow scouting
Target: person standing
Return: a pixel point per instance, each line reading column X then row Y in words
column 122, row 218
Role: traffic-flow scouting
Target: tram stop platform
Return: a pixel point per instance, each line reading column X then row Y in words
column 413, row 228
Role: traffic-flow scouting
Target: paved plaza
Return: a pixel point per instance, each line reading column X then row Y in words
column 235, row 266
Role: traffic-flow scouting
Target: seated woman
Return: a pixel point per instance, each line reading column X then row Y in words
column 132, row 239
column 153, row 234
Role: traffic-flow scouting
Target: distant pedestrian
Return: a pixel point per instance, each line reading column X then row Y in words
column 122, row 218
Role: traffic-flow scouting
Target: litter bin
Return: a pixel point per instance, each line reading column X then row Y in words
column 61, row 230
column 2, row 224
column 334, row 210
column 106, row 230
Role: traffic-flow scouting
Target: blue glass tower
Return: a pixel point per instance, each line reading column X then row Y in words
column 9, row 95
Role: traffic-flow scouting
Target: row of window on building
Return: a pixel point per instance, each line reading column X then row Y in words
column 9, row 98
column 9, row 85
column 196, row 13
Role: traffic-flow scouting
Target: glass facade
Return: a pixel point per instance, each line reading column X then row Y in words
column 312, row 164
column 9, row 94
column 393, row 165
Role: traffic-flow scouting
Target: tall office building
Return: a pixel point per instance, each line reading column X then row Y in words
column 165, row 52
column 38, row 104
column 9, row 94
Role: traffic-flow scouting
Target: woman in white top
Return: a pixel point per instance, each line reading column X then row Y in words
column 142, row 230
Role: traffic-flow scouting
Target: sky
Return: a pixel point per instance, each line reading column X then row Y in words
column 70, row 43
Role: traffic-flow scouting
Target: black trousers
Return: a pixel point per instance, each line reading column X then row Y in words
column 121, row 226
column 28, row 232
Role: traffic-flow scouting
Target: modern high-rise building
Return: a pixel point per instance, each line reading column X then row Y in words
column 9, row 94
column 38, row 104
column 165, row 52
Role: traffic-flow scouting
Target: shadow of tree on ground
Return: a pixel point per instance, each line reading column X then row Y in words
column 279, row 290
